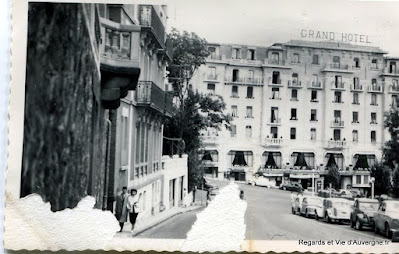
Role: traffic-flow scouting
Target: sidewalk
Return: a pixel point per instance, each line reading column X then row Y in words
column 152, row 221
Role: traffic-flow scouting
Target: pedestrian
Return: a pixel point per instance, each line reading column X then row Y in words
column 133, row 206
column 194, row 190
column 120, row 209
column 242, row 194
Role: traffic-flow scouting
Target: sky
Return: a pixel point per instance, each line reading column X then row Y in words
column 264, row 22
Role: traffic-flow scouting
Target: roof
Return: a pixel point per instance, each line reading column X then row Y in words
column 335, row 46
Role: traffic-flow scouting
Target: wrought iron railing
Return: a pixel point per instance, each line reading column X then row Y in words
column 149, row 94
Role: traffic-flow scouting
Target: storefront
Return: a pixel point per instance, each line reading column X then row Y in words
column 240, row 164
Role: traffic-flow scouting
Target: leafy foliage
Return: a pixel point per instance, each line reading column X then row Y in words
column 333, row 177
column 382, row 175
column 391, row 147
column 395, row 183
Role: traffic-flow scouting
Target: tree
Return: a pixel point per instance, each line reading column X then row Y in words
column 193, row 112
column 391, row 147
column 395, row 183
column 333, row 177
column 382, row 175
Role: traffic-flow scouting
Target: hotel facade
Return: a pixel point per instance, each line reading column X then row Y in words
column 298, row 108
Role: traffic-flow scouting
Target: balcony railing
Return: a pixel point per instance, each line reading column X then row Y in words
column 149, row 94
column 336, row 143
column 338, row 66
column 356, row 88
column 337, row 123
column 275, row 62
column 149, row 20
column 315, row 85
column 274, row 82
column 207, row 139
column 375, row 88
column 274, row 141
column 211, row 77
column 169, row 103
column 294, row 84
column 387, row 70
column 338, row 85
column 215, row 57
column 275, row 121
column 393, row 89
column 247, row 80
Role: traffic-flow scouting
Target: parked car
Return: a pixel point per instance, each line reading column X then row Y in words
column 309, row 205
column 363, row 212
column 336, row 209
column 263, row 181
column 386, row 218
column 292, row 187
column 345, row 193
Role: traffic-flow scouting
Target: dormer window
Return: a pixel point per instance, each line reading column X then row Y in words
column 212, row 52
column 275, row 58
column 251, row 54
column 356, row 62
column 295, row 58
column 315, row 59
column 374, row 64
column 236, row 53
column 336, row 61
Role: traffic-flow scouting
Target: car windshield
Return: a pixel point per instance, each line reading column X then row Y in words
column 314, row 201
column 393, row 206
column 368, row 206
column 340, row 204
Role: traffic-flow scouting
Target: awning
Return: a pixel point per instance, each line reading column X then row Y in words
column 304, row 176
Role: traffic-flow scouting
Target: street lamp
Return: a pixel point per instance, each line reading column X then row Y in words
column 372, row 180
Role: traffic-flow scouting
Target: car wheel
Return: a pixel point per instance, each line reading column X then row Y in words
column 352, row 223
column 328, row 219
column 253, row 183
column 387, row 230
column 306, row 213
column 316, row 216
column 284, row 188
column 292, row 210
column 359, row 225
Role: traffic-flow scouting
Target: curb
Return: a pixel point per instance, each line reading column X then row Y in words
column 161, row 221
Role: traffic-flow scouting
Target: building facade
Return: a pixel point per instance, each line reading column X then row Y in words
column 298, row 108
column 137, row 33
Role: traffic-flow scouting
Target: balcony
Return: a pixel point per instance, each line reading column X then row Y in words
column 315, row 85
column 169, row 104
column 119, row 61
column 374, row 88
column 209, row 140
column 211, row 78
column 275, row 82
column 393, row 89
column 390, row 72
column 275, row 63
column 337, row 67
column 276, row 142
column 337, row 124
column 152, row 24
column 167, row 52
column 215, row 57
column 150, row 95
column 356, row 88
column 276, row 121
column 336, row 144
column 294, row 84
column 244, row 81
column 338, row 86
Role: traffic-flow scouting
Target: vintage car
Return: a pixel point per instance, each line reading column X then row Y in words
column 386, row 218
column 263, row 181
column 363, row 212
column 334, row 209
column 292, row 187
column 309, row 206
column 296, row 203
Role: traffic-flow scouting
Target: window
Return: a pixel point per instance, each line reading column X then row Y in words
column 315, row 82
column 356, row 98
column 250, row 90
column 293, row 114
column 233, row 130
column 249, row 112
column 355, row 117
column 356, row 83
column 392, row 67
column 336, row 61
column 374, row 64
column 394, row 103
column 356, row 62
column 274, row 115
column 366, row 179
column 211, row 89
column 355, row 136
column 374, row 81
column 124, row 138
column 313, row 96
column 338, row 82
column 373, row 137
column 374, row 118
column 337, row 97
column 234, row 112
column 212, row 51
column 235, row 75
column 275, row 58
column 234, row 91
column 295, row 79
column 274, row 132
column 313, row 115
column 294, row 95
column 337, row 135
column 211, row 73
column 248, row 131
column 251, row 75
column 295, row 58
column 276, row 77
column 313, row 134
column 236, row 53
column 251, row 54
column 373, row 99
column 358, row 179
column 138, row 138
column 337, row 116
column 293, row 133
column 315, row 59
column 275, row 93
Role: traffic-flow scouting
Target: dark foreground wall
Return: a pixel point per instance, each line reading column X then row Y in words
column 65, row 129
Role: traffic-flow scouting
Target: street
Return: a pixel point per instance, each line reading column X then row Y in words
column 268, row 217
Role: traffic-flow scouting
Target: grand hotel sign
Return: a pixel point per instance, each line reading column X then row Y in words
column 334, row 36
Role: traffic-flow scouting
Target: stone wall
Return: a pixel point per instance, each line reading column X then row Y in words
column 65, row 131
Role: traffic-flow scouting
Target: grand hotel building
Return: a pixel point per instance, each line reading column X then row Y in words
column 298, row 108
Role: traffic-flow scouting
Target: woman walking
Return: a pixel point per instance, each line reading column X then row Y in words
column 133, row 207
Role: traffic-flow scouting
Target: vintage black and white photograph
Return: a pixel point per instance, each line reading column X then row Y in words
column 204, row 126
